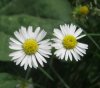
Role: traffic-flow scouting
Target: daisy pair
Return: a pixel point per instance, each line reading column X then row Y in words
column 31, row 50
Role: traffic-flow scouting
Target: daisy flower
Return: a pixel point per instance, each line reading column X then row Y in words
column 66, row 42
column 29, row 48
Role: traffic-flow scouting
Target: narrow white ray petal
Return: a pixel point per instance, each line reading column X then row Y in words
column 44, row 41
column 70, row 55
column 41, row 35
column 45, row 55
column 58, row 34
column 34, row 61
column 15, row 47
column 72, row 29
column 36, row 32
column 19, row 36
column 59, row 52
column 45, row 51
column 16, row 53
column 81, row 36
column 77, row 51
column 26, row 64
column 81, row 50
column 44, row 46
column 15, row 41
column 29, row 61
column 82, row 45
column 19, row 60
column 63, row 54
column 16, row 57
column 76, row 56
column 56, row 40
column 63, row 29
column 67, row 28
column 24, row 32
column 66, row 55
column 34, row 65
column 78, row 32
column 57, row 45
column 39, row 60
column 41, row 57
column 23, row 61
column 30, row 33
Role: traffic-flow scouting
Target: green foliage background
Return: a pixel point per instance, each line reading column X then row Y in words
column 49, row 14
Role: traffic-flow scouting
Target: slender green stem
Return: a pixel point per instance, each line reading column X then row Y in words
column 58, row 76
column 28, row 73
column 90, row 37
column 91, row 34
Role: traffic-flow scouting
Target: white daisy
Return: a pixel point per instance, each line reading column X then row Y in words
column 29, row 49
column 66, row 42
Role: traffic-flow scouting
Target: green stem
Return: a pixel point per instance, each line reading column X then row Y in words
column 28, row 73
column 58, row 76
column 93, row 34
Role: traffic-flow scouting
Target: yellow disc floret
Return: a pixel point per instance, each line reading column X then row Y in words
column 69, row 42
column 30, row 46
column 84, row 10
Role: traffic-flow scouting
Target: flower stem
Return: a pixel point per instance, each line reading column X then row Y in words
column 28, row 73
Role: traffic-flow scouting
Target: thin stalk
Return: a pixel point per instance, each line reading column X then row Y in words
column 28, row 73
column 58, row 76
column 90, row 34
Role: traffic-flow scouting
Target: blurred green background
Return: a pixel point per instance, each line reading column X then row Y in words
column 49, row 14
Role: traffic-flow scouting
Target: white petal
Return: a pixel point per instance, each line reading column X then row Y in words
column 67, row 29
column 63, row 29
column 78, row 32
column 19, row 60
column 77, row 51
column 34, row 61
column 45, row 55
column 19, row 36
column 30, row 33
column 44, row 46
column 29, row 61
column 15, row 47
column 16, row 54
column 44, row 41
column 63, row 54
column 82, row 45
column 57, row 45
column 72, row 29
column 36, row 32
column 56, row 40
column 70, row 55
column 81, row 36
column 24, row 32
column 26, row 65
column 45, row 51
column 76, row 56
column 66, row 55
column 81, row 50
column 39, row 60
column 58, row 34
column 59, row 52
column 41, row 57
column 15, row 41
column 41, row 35
column 24, row 61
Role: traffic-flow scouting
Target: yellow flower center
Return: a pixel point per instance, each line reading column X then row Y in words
column 30, row 46
column 84, row 10
column 69, row 42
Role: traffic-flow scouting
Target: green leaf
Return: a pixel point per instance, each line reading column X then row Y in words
column 7, row 81
column 55, row 9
